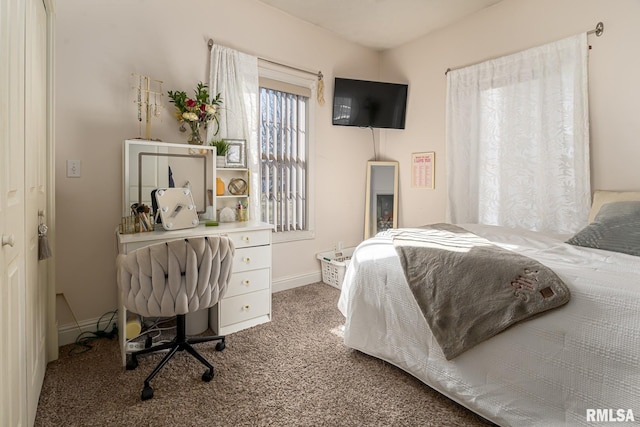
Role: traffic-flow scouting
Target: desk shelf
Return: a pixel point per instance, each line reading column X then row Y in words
column 232, row 200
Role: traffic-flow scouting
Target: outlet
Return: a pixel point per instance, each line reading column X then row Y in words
column 74, row 169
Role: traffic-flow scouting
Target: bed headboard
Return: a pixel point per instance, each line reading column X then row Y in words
column 600, row 197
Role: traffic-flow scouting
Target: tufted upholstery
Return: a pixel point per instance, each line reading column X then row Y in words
column 176, row 277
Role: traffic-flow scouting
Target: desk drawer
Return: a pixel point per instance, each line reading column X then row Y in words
column 248, row 281
column 251, row 258
column 244, row 307
column 251, row 238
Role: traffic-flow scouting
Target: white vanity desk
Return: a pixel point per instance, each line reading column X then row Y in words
column 247, row 301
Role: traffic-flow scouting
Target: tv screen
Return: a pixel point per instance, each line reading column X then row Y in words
column 366, row 103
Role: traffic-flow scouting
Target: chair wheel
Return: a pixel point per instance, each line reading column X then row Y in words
column 207, row 376
column 132, row 363
column 147, row 393
column 220, row 346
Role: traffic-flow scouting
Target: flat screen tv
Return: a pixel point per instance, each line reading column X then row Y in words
column 366, row 103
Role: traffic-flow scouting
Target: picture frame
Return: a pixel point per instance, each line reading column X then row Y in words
column 423, row 170
column 236, row 156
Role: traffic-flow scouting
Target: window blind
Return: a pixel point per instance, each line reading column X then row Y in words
column 283, row 156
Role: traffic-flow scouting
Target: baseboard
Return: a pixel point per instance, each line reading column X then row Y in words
column 68, row 333
column 290, row 282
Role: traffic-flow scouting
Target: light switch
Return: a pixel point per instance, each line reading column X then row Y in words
column 73, row 169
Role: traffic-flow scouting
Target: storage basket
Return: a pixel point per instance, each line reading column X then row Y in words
column 334, row 265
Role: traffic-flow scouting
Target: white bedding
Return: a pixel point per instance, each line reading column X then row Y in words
column 548, row 370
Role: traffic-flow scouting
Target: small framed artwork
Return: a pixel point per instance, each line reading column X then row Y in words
column 236, row 153
column 422, row 170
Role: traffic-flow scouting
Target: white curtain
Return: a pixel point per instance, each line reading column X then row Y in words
column 235, row 76
column 518, row 139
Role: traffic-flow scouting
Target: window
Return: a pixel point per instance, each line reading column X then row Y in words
column 284, row 162
column 518, row 139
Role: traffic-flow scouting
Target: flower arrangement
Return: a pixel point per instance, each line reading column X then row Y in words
column 197, row 111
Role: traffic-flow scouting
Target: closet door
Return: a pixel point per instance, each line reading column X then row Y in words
column 13, row 392
column 23, row 194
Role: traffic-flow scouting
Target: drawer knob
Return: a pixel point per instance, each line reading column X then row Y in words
column 245, row 238
column 247, row 260
column 246, row 282
column 246, row 307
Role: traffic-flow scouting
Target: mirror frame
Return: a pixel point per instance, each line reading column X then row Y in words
column 371, row 203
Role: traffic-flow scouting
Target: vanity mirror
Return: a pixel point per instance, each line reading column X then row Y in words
column 381, row 199
column 149, row 165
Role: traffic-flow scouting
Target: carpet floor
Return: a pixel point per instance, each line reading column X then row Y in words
column 292, row 371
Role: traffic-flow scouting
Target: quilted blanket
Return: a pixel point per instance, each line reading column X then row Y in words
column 469, row 289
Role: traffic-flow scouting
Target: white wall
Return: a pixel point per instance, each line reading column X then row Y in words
column 100, row 43
column 508, row 27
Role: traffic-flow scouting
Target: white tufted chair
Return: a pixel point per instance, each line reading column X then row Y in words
column 172, row 279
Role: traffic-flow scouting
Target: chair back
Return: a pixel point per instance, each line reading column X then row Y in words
column 176, row 277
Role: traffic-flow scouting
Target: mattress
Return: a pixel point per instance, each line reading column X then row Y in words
column 564, row 367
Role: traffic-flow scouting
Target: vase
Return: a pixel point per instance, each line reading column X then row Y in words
column 195, row 138
column 219, row 187
column 221, row 161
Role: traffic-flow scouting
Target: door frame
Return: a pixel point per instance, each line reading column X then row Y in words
column 52, row 323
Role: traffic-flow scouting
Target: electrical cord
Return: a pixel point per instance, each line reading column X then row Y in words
column 148, row 331
column 373, row 137
column 82, row 343
column 154, row 328
column 84, row 339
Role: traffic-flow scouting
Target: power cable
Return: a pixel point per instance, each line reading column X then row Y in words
column 82, row 343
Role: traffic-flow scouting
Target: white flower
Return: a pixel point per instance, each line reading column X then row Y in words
column 190, row 117
column 210, row 110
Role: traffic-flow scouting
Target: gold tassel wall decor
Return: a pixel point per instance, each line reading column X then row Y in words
column 320, row 89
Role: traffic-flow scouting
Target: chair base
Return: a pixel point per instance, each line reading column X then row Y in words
column 179, row 343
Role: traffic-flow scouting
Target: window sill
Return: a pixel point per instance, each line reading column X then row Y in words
column 291, row 236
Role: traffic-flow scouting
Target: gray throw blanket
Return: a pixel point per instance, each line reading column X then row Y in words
column 469, row 289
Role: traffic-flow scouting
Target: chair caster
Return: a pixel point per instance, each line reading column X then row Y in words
column 147, row 392
column 132, row 363
column 207, row 376
column 220, row 346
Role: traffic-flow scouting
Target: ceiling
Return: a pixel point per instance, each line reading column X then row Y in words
column 380, row 24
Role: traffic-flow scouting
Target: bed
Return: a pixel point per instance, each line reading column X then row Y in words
column 573, row 365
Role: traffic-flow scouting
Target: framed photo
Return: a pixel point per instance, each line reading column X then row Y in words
column 236, row 154
column 422, row 170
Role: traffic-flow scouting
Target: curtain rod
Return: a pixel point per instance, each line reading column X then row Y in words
column 597, row 31
column 317, row 74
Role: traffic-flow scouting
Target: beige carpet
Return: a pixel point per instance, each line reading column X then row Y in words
column 293, row 371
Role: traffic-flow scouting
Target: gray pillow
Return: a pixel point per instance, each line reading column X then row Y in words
column 615, row 228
